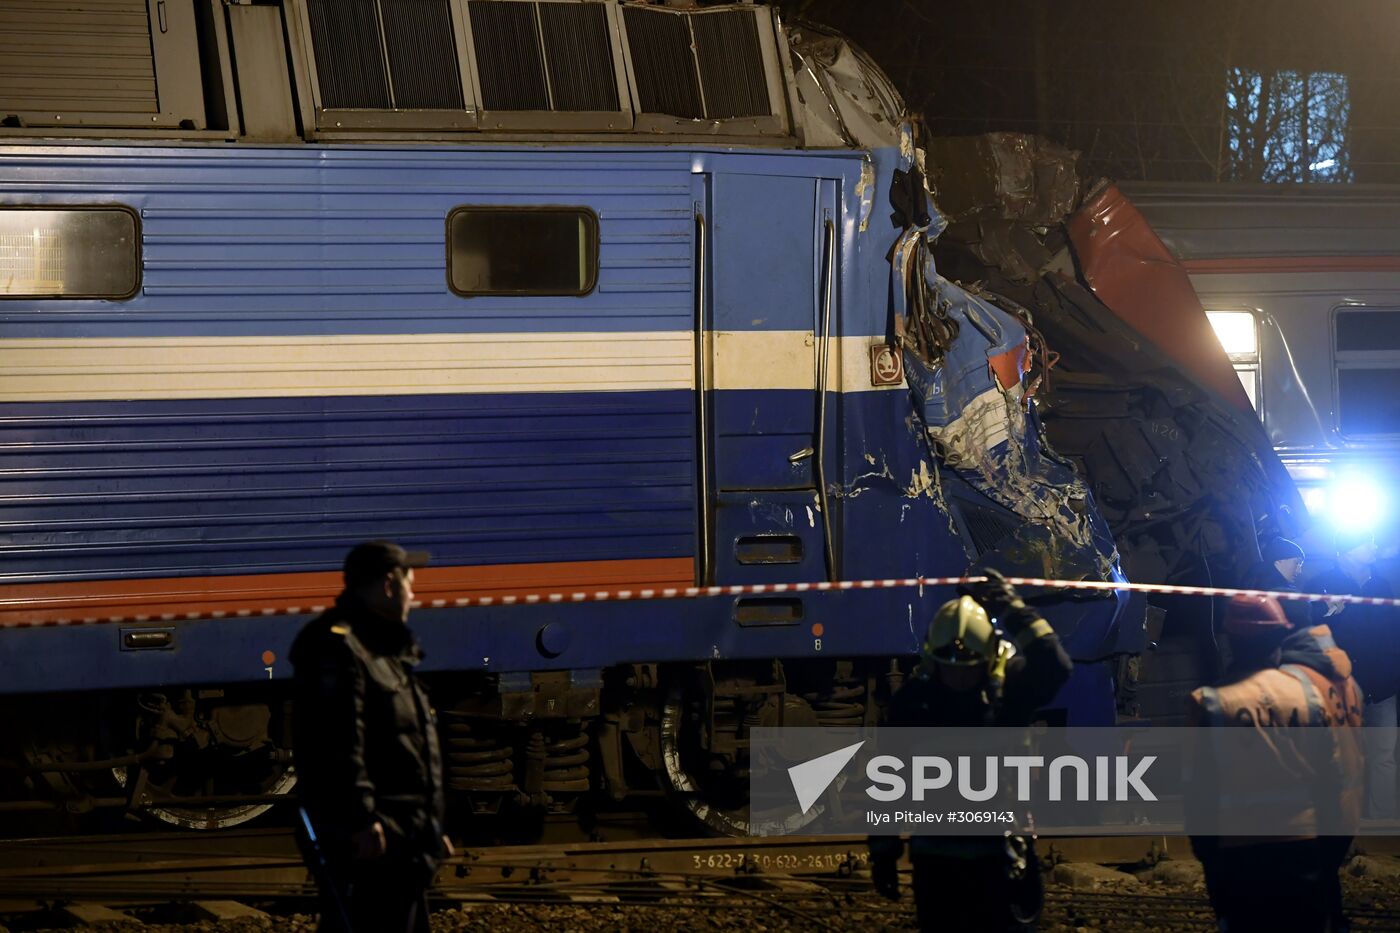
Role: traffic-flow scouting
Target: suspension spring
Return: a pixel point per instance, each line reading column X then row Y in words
column 566, row 762
column 843, row 706
column 477, row 758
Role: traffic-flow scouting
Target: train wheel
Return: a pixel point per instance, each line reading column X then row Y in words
column 214, row 748
column 714, row 787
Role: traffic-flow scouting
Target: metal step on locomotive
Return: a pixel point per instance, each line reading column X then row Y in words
column 574, row 294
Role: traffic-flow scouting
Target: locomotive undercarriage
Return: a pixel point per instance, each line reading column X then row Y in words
column 200, row 758
column 674, row 738
column 672, row 733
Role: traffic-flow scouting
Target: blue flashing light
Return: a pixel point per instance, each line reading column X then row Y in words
column 1355, row 503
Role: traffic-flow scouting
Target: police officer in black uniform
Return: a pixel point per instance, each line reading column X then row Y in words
column 369, row 770
column 970, row 675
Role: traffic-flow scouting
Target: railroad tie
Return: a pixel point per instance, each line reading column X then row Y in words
column 84, row 914
column 225, row 910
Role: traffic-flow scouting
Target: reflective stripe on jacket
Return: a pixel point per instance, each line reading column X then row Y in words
column 1293, row 772
column 1315, row 654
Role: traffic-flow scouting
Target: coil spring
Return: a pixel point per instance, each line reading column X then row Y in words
column 843, row 706
column 477, row 759
column 566, row 763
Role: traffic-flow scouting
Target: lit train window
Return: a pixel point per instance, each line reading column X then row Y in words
column 1238, row 333
column 90, row 252
column 522, row 250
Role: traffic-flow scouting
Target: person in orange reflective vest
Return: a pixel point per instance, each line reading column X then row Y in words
column 1302, row 779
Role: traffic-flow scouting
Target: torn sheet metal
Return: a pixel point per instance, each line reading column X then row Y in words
column 865, row 193
column 845, row 98
column 970, row 401
column 1186, row 480
column 1132, row 272
column 1005, row 176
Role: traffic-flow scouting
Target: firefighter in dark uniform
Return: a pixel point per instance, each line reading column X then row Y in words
column 970, row 675
column 1301, row 779
column 369, row 770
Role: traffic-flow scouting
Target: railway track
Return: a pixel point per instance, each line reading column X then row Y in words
column 796, row 883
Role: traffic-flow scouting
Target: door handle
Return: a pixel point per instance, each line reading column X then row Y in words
column 145, row 639
column 768, row 549
column 758, row 612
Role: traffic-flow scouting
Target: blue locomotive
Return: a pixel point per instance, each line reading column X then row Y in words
column 577, row 295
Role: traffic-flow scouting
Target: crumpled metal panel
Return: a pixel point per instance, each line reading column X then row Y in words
column 1007, row 176
column 1186, row 478
column 846, row 99
column 971, row 402
column 1131, row 271
column 965, row 376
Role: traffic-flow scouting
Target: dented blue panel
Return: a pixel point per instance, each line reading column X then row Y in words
column 964, row 374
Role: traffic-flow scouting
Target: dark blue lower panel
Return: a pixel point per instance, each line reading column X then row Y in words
column 197, row 488
column 879, row 624
column 214, row 487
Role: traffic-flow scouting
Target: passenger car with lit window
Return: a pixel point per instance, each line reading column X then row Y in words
column 1302, row 283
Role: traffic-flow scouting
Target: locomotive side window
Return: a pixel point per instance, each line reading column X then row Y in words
column 522, row 251
column 69, row 253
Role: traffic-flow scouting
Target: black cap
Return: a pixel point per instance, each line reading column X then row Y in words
column 1277, row 549
column 371, row 560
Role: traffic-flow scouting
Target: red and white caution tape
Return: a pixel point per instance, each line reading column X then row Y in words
column 759, row 589
column 1198, row 590
column 634, row 594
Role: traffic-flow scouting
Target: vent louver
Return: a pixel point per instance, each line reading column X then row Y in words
column 987, row 527
column 88, row 56
column 556, row 66
column 385, row 55
column 102, row 63
column 698, row 65
column 505, row 37
column 731, row 64
column 663, row 62
column 422, row 55
column 543, row 56
column 579, row 53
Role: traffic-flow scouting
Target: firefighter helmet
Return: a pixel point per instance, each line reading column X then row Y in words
column 960, row 633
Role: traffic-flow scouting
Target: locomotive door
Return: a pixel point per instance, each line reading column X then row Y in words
column 766, row 292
